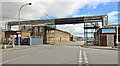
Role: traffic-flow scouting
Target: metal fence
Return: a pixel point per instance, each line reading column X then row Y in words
column 36, row 41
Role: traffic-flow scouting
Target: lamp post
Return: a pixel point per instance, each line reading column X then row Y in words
column 19, row 22
column 117, row 38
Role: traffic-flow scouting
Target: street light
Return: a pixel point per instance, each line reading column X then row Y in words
column 117, row 38
column 19, row 20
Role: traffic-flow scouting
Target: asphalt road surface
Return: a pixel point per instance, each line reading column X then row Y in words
column 67, row 53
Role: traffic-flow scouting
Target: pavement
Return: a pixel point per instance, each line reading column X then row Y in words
column 15, row 48
column 70, row 53
column 101, row 47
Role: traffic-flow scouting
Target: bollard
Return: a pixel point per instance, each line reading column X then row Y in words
column 13, row 45
column 5, row 47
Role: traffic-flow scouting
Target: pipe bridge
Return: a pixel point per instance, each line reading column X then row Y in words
column 60, row 21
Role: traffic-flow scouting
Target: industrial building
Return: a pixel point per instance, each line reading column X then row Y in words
column 58, row 36
column 38, row 35
column 106, row 36
column 39, row 32
column 50, row 35
column 76, row 38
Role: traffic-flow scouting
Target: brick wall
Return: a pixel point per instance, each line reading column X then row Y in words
column 58, row 37
column 25, row 34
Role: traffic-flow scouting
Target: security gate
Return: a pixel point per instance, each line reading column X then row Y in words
column 110, row 40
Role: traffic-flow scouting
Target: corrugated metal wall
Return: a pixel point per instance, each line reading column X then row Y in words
column 36, row 41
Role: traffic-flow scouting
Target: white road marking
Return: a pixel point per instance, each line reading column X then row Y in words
column 14, row 59
column 85, row 57
column 80, row 56
column 80, row 61
column 86, row 61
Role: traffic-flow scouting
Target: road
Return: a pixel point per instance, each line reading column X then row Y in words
column 70, row 53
